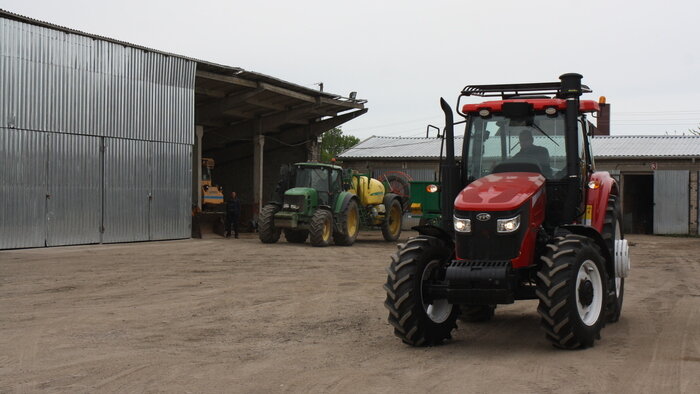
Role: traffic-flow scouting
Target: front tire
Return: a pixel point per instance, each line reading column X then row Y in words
column 321, row 227
column 572, row 289
column 612, row 232
column 391, row 227
column 267, row 231
column 417, row 320
column 351, row 223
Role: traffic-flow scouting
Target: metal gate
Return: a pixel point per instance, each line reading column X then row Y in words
column 671, row 202
column 22, row 189
column 74, row 198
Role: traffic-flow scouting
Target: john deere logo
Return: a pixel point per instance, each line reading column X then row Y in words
column 483, row 217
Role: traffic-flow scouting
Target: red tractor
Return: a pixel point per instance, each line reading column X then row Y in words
column 524, row 216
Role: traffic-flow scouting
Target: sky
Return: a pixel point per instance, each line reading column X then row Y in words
column 402, row 56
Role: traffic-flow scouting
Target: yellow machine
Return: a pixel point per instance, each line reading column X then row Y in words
column 212, row 196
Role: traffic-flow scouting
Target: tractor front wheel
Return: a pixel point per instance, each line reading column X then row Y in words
column 612, row 235
column 418, row 319
column 321, row 228
column 391, row 227
column 572, row 289
column 266, row 224
column 350, row 219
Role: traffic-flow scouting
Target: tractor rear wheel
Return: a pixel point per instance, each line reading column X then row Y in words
column 612, row 232
column 477, row 313
column 296, row 236
column 572, row 289
column 417, row 320
column 321, row 227
column 266, row 224
column 350, row 220
column 391, row 227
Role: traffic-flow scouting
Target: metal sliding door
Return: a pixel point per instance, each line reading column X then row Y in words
column 22, row 189
column 126, row 190
column 171, row 179
column 74, row 202
column 671, row 202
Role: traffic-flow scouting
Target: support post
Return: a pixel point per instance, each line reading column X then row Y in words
column 258, row 158
column 197, row 164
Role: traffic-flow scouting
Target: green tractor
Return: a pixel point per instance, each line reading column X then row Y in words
column 325, row 203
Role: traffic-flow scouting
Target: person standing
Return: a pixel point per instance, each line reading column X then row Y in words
column 233, row 211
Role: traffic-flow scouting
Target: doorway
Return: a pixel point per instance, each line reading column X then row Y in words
column 638, row 204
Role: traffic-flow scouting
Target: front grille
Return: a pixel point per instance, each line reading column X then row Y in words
column 484, row 243
column 290, row 201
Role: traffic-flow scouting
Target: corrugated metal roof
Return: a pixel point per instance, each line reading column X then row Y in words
column 630, row 146
column 376, row 147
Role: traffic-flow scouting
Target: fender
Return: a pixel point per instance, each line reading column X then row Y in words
column 436, row 232
column 597, row 198
column 341, row 204
column 592, row 233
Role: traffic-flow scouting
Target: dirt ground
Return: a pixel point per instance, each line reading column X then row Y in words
column 225, row 315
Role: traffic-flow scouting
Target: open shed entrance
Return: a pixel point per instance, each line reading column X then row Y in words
column 638, row 204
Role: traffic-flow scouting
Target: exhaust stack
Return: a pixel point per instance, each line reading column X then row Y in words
column 448, row 169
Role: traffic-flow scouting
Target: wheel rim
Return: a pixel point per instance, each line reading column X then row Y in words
column 589, row 292
column 352, row 222
column 326, row 228
column 618, row 236
column 394, row 218
column 439, row 310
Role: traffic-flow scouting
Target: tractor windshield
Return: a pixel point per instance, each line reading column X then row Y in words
column 500, row 144
column 206, row 173
column 312, row 177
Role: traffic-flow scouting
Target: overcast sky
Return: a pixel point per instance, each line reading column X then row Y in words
column 402, row 56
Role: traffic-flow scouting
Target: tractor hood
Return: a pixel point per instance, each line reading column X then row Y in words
column 300, row 191
column 499, row 192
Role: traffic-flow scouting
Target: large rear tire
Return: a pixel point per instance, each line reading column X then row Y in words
column 572, row 289
column 321, row 228
column 416, row 320
column 391, row 227
column 612, row 232
column 267, row 231
column 350, row 220
column 296, row 236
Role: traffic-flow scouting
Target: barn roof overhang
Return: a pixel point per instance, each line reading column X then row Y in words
column 234, row 105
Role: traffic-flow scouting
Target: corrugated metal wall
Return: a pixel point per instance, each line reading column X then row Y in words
column 127, row 187
column 671, row 202
column 171, row 179
column 62, row 97
column 74, row 202
column 22, row 189
column 60, row 82
column 418, row 174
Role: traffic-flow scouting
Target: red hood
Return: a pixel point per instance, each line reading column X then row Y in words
column 499, row 192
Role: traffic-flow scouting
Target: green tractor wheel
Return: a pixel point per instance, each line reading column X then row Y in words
column 350, row 219
column 391, row 227
column 266, row 224
column 321, row 228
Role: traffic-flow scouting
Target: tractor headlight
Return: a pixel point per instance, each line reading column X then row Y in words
column 508, row 225
column 462, row 225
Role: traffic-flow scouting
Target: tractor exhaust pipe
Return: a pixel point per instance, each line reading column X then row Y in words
column 571, row 91
column 448, row 169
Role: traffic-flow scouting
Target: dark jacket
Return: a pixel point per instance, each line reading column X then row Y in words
column 233, row 207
